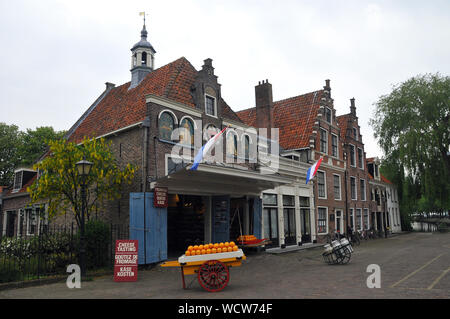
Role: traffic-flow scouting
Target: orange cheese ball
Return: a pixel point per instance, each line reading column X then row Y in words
column 187, row 253
column 219, row 250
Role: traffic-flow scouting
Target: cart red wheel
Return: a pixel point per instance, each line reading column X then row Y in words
column 213, row 275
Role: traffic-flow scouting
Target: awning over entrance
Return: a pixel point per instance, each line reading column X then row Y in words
column 217, row 180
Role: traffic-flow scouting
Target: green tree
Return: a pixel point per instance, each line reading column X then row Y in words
column 59, row 183
column 412, row 125
column 35, row 143
column 10, row 142
column 19, row 148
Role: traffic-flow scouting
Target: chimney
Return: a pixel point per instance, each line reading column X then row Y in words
column 352, row 106
column 264, row 105
column 109, row 86
column 207, row 66
column 327, row 88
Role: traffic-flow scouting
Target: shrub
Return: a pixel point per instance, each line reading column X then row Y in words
column 97, row 238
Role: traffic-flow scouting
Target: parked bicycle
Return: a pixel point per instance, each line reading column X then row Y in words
column 364, row 234
column 372, row 234
column 355, row 238
column 333, row 236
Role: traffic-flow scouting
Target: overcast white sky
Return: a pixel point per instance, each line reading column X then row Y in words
column 55, row 56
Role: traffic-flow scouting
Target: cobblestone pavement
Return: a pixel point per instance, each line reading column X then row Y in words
column 413, row 265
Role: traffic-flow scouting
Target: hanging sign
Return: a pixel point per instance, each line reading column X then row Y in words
column 160, row 197
column 126, row 260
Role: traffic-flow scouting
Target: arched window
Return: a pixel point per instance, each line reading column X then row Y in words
column 144, row 58
column 166, row 126
column 186, row 132
column 247, row 147
column 232, row 144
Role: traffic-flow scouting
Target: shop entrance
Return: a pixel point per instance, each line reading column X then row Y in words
column 185, row 223
column 305, row 224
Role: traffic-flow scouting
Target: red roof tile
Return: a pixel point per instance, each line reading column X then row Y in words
column 294, row 117
column 122, row 107
column 343, row 123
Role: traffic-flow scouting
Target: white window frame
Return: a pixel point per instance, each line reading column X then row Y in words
column 326, row 220
column 362, row 158
column 337, row 145
column 354, row 155
column 331, row 115
column 356, row 188
column 326, row 141
column 360, row 218
column 21, row 181
column 215, row 105
column 340, row 187
column 368, row 217
column 365, row 189
column 325, row 183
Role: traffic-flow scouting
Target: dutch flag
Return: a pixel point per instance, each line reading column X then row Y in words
column 205, row 148
column 312, row 170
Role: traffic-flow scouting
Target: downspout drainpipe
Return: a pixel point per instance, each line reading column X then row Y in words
column 346, row 202
column 145, row 125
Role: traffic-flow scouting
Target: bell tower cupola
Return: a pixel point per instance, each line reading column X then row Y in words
column 142, row 58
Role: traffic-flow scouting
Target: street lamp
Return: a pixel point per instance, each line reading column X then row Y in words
column 84, row 168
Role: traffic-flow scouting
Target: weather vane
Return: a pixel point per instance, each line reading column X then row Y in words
column 143, row 14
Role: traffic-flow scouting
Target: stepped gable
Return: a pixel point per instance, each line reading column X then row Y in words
column 295, row 118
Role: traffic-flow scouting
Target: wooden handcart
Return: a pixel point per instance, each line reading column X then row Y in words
column 212, row 269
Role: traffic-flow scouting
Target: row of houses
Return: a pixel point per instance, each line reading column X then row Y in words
column 254, row 183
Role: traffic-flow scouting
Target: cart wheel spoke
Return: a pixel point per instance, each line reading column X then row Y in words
column 213, row 275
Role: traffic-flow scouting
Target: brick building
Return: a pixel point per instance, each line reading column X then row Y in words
column 176, row 107
column 356, row 176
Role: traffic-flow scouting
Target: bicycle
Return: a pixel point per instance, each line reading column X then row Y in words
column 332, row 236
column 355, row 239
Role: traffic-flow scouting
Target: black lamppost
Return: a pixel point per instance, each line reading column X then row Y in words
column 84, row 167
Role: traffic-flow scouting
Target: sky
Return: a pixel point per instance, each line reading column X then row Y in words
column 56, row 55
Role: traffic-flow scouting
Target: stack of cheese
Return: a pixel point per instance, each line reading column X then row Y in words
column 211, row 248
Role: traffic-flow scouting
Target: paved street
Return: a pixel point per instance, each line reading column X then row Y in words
column 414, row 265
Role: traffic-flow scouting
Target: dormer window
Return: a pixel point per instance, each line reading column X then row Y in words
column 210, row 105
column 21, row 177
column 18, row 176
